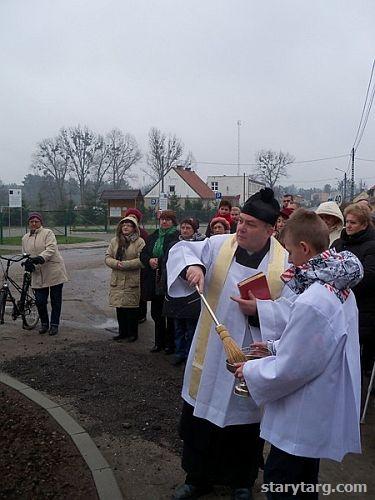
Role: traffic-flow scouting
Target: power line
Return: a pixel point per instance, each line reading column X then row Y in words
column 367, row 116
column 319, row 159
column 365, row 110
column 328, row 179
column 197, row 162
column 364, row 159
column 315, row 180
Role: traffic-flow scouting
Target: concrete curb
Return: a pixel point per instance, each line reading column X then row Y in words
column 104, row 479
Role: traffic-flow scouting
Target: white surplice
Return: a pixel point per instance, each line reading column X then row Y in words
column 310, row 389
column 215, row 399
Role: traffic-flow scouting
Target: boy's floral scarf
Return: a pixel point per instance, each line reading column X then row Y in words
column 338, row 272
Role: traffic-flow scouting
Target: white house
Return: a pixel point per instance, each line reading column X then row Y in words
column 185, row 184
column 231, row 186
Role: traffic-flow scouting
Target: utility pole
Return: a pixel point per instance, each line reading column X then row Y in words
column 352, row 183
column 238, row 146
column 343, row 191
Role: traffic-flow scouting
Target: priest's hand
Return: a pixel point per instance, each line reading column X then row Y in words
column 239, row 370
column 195, row 276
column 247, row 306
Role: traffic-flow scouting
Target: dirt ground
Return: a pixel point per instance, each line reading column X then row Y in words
column 36, row 454
column 125, row 397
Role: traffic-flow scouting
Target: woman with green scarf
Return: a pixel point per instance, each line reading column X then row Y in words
column 154, row 287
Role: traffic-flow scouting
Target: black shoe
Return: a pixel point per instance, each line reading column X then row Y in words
column 132, row 338
column 54, row 330
column 169, row 350
column 190, row 491
column 242, row 494
column 141, row 320
column 43, row 329
column 156, row 348
column 119, row 338
column 178, row 361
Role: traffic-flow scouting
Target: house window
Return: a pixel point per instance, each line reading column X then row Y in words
column 215, row 186
column 172, row 189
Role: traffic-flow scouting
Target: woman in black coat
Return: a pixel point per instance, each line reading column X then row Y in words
column 154, row 288
column 358, row 237
column 184, row 311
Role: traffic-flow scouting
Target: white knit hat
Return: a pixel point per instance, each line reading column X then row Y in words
column 330, row 208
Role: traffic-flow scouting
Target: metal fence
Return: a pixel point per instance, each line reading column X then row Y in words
column 13, row 221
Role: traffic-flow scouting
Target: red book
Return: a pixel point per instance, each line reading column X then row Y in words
column 257, row 284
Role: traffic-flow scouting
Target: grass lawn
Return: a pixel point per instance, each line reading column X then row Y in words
column 16, row 240
column 88, row 229
column 7, row 251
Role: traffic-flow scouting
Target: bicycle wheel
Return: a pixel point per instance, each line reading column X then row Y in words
column 30, row 316
column 3, row 301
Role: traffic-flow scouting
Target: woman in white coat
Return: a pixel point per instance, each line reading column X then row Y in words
column 48, row 271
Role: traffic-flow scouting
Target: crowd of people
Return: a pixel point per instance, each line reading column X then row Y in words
column 329, row 248
column 314, row 339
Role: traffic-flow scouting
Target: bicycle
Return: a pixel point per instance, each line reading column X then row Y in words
column 26, row 305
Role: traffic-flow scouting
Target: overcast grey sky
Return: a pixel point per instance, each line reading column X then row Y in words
column 295, row 72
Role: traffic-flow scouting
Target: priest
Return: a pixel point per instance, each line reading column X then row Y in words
column 220, row 430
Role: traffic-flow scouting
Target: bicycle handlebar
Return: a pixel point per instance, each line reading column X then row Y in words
column 22, row 257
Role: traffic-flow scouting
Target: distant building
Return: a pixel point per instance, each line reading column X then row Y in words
column 119, row 200
column 183, row 183
column 323, row 196
column 365, row 195
column 235, row 188
column 299, row 199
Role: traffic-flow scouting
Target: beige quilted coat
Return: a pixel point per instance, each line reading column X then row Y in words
column 52, row 272
column 124, row 288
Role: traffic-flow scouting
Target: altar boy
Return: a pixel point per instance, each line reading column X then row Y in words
column 310, row 385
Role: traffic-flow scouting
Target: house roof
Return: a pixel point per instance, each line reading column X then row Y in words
column 120, row 194
column 195, row 182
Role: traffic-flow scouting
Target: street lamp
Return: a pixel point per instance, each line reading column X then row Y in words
column 344, row 190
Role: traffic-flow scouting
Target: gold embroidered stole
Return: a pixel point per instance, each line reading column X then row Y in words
column 275, row 268
column 218, row 277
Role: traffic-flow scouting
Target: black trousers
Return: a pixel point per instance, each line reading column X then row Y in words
column 215, row 455
column 127, row 319
column 164, row 330
column 41, row 299
column 142, row 310
column 281, row 468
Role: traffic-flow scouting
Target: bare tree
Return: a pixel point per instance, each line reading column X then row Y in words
column 123, row 153
column 164, row 152
column 271, row 166
column 51, row 159
column 81, row 146
column 189, row 159
column 100, row 167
